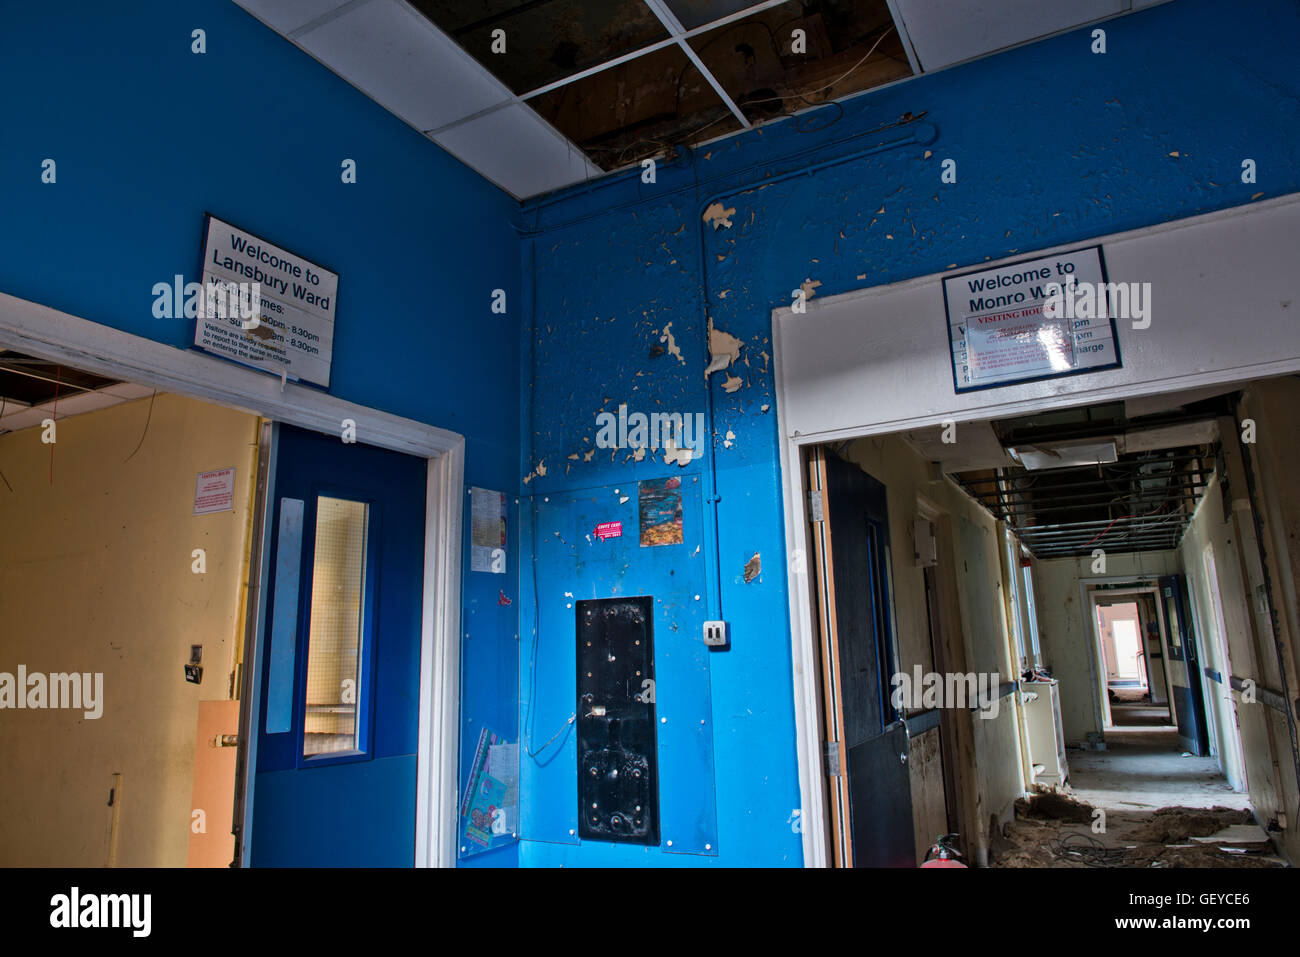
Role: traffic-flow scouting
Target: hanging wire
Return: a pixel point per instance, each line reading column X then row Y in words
column 3, row 401
column 148, row 418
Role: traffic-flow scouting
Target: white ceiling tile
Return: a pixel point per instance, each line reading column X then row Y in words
column 944, row 33
column 83, row 402
column 22, row 420
column 127, row 390
column 518, row 151
column 285, row 16
column 400, row 60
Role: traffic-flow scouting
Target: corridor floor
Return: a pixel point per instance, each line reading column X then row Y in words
column 1152, row 801
column 1147, row 770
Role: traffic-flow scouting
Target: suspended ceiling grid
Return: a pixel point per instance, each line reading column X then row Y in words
column 33, row 389
column 1130, row 475
column 590, row 86
column 1142, row 502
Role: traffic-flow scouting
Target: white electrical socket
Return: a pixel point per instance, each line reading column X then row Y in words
column 716, row 634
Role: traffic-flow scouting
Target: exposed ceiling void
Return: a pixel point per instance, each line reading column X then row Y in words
column 642, row 108
column 1128, row 481
column 1141, row 502
column 592, row 86
column 33, row 389
column 850, row 47
column 544, row 40
column 629, row 79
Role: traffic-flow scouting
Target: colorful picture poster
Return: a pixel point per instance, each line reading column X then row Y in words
column 660, row 502
column 488, row 801
column 484, row 797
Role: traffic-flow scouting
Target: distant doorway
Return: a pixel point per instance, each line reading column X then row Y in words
column 1130, row 639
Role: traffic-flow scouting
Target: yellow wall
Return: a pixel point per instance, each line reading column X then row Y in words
column 95, row 576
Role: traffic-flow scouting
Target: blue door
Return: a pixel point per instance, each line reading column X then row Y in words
column 1185, row 664
column 337, row 729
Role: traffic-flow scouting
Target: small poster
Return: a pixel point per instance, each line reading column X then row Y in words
column 490, row 803
column 485, row 808
column 660, row 503
column 487, row 550
column 214, row 491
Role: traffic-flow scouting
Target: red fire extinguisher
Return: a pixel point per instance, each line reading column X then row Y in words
column 943, row 854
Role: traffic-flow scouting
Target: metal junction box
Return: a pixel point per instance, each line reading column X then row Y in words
column 618, row 792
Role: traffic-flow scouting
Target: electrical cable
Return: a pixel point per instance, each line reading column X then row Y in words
column 3, row 402
column 1086, row 849
column 532, row 655
column 147, row 420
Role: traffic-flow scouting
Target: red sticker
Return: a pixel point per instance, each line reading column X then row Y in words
column 609, row 530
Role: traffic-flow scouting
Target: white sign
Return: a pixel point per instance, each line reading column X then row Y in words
column 1035, row 319
column 293, row 331
column 214, row 491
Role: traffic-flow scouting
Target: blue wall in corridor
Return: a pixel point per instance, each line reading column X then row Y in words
column 1053, row 144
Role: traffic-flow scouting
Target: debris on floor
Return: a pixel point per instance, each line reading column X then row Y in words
column 1238, row 837
column 1054, row 829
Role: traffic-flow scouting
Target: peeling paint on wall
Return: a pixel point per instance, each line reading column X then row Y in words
column 673, row 349
column 674, row 455
column 724, row 349
column 719, row 216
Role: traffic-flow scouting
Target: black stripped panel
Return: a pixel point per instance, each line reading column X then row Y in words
column 618, row 793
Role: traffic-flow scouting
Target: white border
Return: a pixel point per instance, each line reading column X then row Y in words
column 38, row 330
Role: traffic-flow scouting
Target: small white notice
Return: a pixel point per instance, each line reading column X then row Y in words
column 292, row 332
column 214, row 491
column 487, row 552
column 1034, row 319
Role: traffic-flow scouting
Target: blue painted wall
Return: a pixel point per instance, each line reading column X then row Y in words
column 1053, row 144
column 148, row 136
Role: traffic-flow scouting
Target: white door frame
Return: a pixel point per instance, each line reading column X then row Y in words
column 864, row 392
column 40, row 331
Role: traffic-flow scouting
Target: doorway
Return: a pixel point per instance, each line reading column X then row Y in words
column 44, row 333
column 337, row 729
column 866, row 742
column 128, row 517
column 1129, row 638
column 889, row 772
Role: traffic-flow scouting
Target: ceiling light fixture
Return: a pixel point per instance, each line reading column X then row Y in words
column 1065, row 454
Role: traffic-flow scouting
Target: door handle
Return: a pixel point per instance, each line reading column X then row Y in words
column 226, row 741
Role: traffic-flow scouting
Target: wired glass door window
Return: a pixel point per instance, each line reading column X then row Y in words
column 337, row 630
